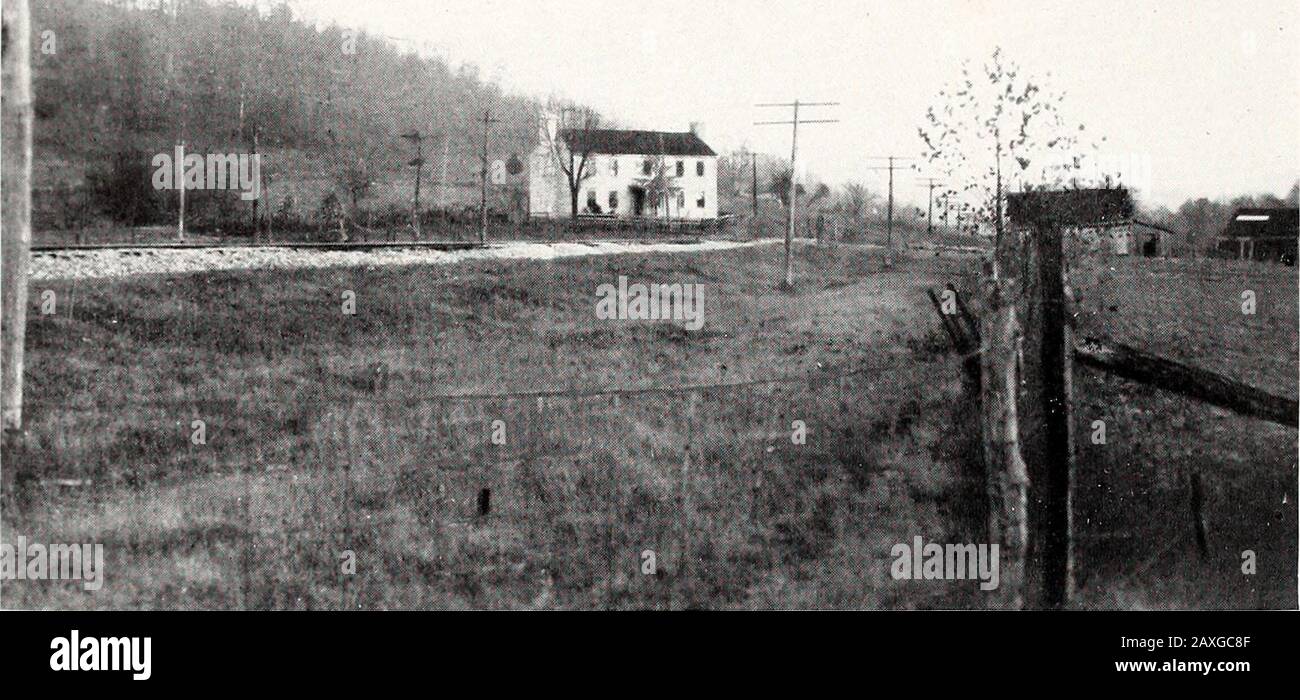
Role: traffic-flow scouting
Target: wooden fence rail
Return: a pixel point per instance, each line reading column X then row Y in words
column 1215, row 389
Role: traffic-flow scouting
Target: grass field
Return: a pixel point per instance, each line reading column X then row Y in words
column 330, row 436
column 1133, row 505
column 323, row 436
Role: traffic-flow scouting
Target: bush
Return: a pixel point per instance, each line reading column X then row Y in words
column 217, row 211
column 124, row 190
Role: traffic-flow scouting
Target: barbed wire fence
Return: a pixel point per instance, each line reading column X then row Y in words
column 573, row 497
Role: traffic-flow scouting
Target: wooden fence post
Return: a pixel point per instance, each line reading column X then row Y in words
column 1053, row 394
column 1198, row 514
column 1007, row 478
column 16, row 134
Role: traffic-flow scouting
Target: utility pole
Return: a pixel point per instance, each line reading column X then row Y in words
column 482, row 208
column 889, row 226
column 753, row 193
column 257, row 154
column 257, row 222
column 180, row 220
column 929, row 211
column 794, row 172
column 418, row 162
column 444, row 199
column 172, row 75
column 16, row 234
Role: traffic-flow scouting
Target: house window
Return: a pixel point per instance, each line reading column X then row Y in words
column 647, row 166
column 591, row 166
column 613, row 167
column 700, row 202
column 681, row 168
column 699, row 168
column 613, row 200
column 681, row 198
column 592, row 206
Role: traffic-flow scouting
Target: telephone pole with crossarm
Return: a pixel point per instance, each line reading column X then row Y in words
column 788, row 282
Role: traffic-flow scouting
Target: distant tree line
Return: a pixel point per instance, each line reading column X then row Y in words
column 1199, row 221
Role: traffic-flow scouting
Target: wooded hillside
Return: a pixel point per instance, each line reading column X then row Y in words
column 117, row 82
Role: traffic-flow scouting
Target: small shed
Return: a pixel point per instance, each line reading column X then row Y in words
column 1097, row 219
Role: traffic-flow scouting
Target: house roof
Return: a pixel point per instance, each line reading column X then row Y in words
column 1271, row 222
column 1081, row 207
column 621, row 142
column 1155, row 226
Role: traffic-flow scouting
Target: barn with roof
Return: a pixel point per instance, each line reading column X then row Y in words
column 624, row 174
column 1262, row 233
column 1099, row 220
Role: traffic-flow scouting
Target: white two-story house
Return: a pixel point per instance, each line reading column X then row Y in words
column 621, row 173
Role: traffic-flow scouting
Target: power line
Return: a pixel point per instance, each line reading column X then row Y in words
column 418, row 162
column 652, row 390
column 829, row 374
column 753, row 193
column 929, row 212
column 797, row 103
column 889, row 235
column 794, row 155
column 482, row 225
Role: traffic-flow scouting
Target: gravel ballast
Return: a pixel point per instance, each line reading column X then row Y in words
column 100, row 264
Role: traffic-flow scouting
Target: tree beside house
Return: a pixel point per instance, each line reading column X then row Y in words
column 580, row 171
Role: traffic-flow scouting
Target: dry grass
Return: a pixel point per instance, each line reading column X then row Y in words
column 1133, row 499
column 1191, row 310
column 311, row 452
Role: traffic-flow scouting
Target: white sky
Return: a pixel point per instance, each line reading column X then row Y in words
column 1207, row 94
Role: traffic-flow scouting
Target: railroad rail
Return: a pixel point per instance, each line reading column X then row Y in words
column 177, row 245
column 446, row 246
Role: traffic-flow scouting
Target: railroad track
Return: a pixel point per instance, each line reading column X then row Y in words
column 176, row 245
column 445, row 246
column 107, row 260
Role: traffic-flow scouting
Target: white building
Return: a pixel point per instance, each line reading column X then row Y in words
column 618, row 172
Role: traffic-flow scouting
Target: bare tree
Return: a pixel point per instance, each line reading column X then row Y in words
column 855, row 200
column 821, row 193
column 352, row 174
column 780, row 186
column 572, row 147
column 357, row 181
column 661, row 182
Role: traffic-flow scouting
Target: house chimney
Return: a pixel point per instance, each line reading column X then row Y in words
column 547, row 123
column 697, row 128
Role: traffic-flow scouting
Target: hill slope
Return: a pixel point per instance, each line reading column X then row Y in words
column 119, row 84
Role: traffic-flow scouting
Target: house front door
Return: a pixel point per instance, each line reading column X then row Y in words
column 638, row 201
